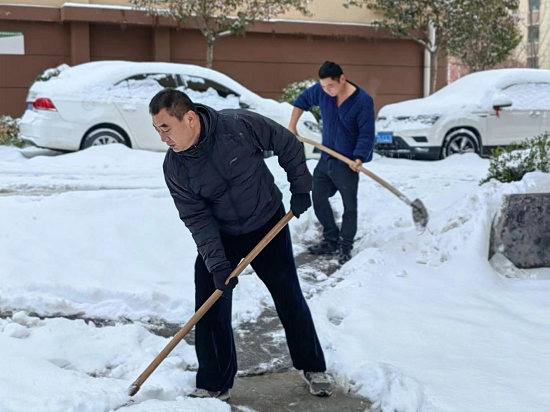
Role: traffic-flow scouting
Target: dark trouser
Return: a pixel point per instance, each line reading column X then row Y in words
column 329, row 177
column 275, row 266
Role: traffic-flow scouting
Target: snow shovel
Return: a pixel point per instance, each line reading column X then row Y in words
column 136, row 386
column 419, row 211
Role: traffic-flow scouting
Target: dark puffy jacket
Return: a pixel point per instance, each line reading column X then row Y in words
column 223, row 184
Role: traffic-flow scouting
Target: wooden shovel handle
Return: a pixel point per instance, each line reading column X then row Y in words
column 259, row 247
column 350, row 162
column 135, row 387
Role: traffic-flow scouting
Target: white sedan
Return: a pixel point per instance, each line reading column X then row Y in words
column 475, row 114
column 108, row 101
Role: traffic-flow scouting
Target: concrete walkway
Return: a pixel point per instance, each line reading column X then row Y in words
column 281, row 392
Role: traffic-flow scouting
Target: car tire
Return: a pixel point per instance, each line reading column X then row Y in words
column 102, row 136
column 460, row 143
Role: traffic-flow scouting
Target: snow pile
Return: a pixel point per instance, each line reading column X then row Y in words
column 108, row 242
column 423, row 322
column 61, row 365
column 417, row 323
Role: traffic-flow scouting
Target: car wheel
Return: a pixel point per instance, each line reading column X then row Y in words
column 102, row 136
column 460, row 144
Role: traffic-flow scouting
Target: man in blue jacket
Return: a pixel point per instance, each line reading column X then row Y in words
column 227, row 198
column 348, row 128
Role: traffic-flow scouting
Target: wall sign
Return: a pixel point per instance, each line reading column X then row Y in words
column 12, row 42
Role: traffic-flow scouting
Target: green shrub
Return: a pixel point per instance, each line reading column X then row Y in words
column 51, row 73
column 293, row 90
column 511, row 163
column 9, row 132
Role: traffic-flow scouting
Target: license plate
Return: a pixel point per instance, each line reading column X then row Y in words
column 29, row 106
column 385, row 138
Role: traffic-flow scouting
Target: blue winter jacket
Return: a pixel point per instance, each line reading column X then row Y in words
column 348, row 129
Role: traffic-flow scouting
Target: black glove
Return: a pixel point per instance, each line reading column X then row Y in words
column 220, row 278
column 299, row 203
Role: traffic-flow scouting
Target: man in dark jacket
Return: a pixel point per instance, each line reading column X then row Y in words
column 348, row 128
column 227, row 198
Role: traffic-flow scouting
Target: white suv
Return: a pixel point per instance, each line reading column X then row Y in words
column 477, row 113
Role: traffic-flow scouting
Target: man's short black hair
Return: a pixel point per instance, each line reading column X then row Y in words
column 175, row 101
column 330, row 69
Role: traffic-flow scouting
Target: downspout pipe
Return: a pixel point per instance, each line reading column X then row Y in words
column 428, row 60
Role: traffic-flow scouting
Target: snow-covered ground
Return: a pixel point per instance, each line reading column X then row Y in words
column 417, row 322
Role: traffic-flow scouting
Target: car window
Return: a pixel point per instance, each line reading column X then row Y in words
column 200, row 84
column 529, row 96
column 163, row 79
column 142, row 86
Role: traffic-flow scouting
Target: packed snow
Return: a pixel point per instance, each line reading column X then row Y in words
column 415, row 322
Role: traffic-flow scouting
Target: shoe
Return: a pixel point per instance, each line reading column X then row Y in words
column 319, row 383
column 326, row 247
column 203, row 393
column 345, row 254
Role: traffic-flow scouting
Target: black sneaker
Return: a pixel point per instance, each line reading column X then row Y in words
column 326, row 247
column 319, row 383
column 203, row 393
column 345, row 254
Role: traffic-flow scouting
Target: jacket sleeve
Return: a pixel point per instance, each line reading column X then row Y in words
column 365, row 139
column 309, row 97
column 270, row 135
column 198, row 218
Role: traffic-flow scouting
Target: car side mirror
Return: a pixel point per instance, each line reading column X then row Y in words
column 501, row 102
column 245, row 102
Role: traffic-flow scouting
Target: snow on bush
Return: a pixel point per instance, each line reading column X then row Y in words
column 293, row 90
column 9, row 132
column 50, row 73
column 511, row 163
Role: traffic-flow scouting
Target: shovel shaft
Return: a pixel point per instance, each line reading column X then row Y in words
column 135, row 387
column 260, row 246
column 344, row 159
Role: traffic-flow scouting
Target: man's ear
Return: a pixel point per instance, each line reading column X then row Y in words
column 192, row 118
column 342, row 79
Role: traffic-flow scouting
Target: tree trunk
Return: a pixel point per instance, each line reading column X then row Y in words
column 435, row 65
column 210, row 51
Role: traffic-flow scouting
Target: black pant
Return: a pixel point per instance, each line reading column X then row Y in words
column 275, row 266
column 330, row 176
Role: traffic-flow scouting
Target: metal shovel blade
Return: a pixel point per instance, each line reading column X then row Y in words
column 420, row 214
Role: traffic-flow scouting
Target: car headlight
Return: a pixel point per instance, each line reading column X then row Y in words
column 314, row 127
column 426, row 119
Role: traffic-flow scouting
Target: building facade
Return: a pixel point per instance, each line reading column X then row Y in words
column 42, row 34
column 534, row 50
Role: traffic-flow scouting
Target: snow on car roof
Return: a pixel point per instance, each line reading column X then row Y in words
column 493, row 80
column 471, row 92
column 94, row 81
column 112, row 72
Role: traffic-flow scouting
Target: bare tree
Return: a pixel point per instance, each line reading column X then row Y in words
column 220, row 18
